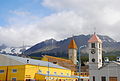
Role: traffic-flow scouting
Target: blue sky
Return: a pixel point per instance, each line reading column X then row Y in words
column 33, row 21
column 34, row 7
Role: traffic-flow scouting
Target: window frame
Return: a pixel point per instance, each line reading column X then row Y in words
column 93, row 78
column 2, row 71
column 93, row 45
column 62, row 73
column 39, row 71
column 103, row 78
column 14, row 78
column 55, row 73
column 13, row 71
column 48, row 72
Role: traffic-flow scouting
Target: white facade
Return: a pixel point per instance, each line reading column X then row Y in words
column 72, row 53
column 108, row 71
column 98, row 71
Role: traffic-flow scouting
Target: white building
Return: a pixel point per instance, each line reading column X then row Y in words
column 99, row 71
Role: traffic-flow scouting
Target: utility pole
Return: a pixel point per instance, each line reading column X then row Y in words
column 79, row 63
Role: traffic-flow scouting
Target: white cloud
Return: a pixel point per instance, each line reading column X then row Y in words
column 102, row 14
column 71, row 17
column 111, row 16
column 22, row 13
column 58, row 26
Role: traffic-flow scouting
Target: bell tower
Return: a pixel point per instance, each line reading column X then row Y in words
column 72, row 51
column 95, row 52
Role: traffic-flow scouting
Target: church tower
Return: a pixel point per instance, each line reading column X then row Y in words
column 95, row 52
column 72, row 51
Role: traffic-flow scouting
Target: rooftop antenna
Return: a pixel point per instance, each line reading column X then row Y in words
column 23, row 44
column 73, row 36
column 94, row 30
column 23, row 48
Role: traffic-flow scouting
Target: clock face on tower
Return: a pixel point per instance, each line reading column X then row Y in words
column 93, row 51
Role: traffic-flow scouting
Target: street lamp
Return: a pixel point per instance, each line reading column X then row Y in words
column 79, row 63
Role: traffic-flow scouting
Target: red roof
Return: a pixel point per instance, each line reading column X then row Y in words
column 62, row 62
column 72, row 44
column 94, row 38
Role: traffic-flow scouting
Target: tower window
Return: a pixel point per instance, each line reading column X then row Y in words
column 103, row 78
column 93, row 60
column 99, row 46
column 93, row 78
column 99, row 60
column 92, row 45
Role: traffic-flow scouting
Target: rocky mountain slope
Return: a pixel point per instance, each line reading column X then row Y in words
column 60, row 48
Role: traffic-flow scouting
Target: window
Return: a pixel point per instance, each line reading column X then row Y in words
column 14, row 79
column 54, row 62
column 55, row 73
column 48, row 72
column 61, row 73
column 103, row 78
column 99, row 60
column 67, row 73
column 92, row 45
column 99, row 46
column 14, row 70
column 93, row 78
column 39, row 71
column 1, row 71
column 93, row 60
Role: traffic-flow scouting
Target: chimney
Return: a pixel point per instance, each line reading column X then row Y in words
column 27, row 61
column 106, row 59
column 118, row 59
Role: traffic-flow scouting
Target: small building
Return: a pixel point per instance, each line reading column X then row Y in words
column 13, row 68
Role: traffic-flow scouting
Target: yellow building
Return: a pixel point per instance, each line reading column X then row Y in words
column 13, row 68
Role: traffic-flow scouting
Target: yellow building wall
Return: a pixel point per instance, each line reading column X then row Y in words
column 31, row 70
column 39, row 77
column 53, row 78
column 44, row 59
column 3, row 75
column 19, row 75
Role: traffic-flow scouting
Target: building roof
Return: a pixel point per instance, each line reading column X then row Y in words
column 58, row 75
column 23, row 61
column 94, row 38
column 62, row 76
column 111, row 62
column 62, row 62
column 72, row 44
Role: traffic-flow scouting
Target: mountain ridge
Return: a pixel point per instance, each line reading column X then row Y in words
column 60, row 48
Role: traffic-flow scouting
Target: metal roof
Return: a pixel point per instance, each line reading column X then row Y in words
column 62, row 76
column 58, row 75
column 33, row 61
